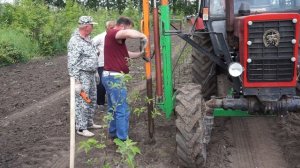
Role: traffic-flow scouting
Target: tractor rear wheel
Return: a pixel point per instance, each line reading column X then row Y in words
column 193, row 127
column 203, row 69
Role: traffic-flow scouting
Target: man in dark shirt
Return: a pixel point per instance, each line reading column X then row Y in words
column 99, row 42
column 116, row 58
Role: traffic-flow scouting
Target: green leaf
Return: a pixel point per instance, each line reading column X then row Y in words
column 106, row 165
column 128, row 151
column 135, row 150
column 100, row 146
column 118, row 142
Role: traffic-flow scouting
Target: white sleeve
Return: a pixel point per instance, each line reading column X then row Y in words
column 96, row 40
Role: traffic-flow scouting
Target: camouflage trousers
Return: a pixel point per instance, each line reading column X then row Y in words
column 85, row 112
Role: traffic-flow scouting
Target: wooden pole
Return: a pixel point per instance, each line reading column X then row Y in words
column 72, row 122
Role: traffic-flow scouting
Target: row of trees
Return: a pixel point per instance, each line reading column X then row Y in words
column 31, row 28
column 34, row 29
column 178, row 6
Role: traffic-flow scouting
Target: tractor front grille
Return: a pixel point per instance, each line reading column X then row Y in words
column 273, row 62
column 271, row 70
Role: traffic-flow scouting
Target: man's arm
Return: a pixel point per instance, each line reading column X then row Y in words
column 129, row 33
column 135, row 54
column 98, row 41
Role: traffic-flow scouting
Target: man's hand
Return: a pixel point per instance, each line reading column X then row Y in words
column 143, row 46
column 78, row 87
column 144, row 43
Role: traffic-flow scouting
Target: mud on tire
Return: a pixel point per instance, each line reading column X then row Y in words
column 192, row 133
column 203, row 69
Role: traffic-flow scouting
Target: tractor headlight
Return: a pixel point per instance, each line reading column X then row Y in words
column 235, row 69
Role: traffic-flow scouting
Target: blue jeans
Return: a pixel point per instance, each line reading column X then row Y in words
column 117, row 105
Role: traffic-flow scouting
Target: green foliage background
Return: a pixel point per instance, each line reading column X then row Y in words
column 37, row 28
column 34, row 29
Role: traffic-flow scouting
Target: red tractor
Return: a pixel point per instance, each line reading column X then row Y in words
column 246, row 62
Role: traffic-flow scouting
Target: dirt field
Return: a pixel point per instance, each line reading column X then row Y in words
column 34, row 128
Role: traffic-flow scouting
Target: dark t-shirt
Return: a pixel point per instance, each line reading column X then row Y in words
column 115, row 54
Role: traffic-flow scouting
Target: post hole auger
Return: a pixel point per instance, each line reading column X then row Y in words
column 146, row 30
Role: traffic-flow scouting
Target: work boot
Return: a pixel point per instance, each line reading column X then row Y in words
column 85, row 133
column 95, row 126
column 92, row 125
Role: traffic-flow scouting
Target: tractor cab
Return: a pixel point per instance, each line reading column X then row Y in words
column 241, row 7
column 257, row 40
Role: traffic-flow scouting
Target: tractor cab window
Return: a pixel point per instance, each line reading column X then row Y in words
column 261, row 6
column 217, row 8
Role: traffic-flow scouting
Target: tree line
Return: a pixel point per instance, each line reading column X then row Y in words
column 186, row 7
column 35, row 28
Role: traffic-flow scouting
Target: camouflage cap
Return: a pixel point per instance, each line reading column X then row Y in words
column 83, row 20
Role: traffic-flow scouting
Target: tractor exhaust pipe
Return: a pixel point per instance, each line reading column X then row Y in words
column 254, row 106
column 230, row 21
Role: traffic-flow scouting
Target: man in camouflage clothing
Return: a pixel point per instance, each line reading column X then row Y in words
column 82, row 65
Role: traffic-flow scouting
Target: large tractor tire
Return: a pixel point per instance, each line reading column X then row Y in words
column 193, row 126
column 203, row 69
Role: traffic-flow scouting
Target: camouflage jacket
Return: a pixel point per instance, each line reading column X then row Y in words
column 82, row 55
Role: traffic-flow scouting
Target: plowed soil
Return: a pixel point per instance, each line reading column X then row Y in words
column 34, row 127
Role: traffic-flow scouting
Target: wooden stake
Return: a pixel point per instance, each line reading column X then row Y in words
column 72, row 122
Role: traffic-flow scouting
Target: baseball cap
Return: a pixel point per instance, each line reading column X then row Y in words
column 86, row 20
